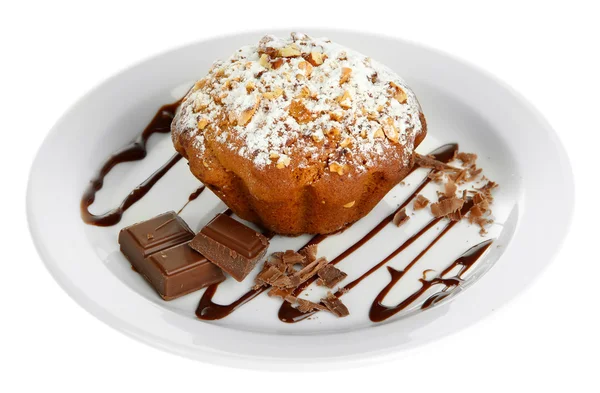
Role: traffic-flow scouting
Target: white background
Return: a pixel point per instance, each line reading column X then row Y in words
column 53, row 52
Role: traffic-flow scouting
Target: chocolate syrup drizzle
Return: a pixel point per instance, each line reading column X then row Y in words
column 192, row 197
column 208, row 310
column 379, row 312
column 135, row 151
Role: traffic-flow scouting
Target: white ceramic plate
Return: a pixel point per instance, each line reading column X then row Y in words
column 517, row 149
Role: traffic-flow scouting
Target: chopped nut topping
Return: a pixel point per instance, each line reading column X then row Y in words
column 246, row 115
column 398, row 93
column 346, row 142
column 345, row 100
column 275, row 64
column 345, row 75
column 200, row 84
column 304, row 92
column 273, row 155
column 290, row 51
column 306, row 67
column 202, row 123
column 337, row 115
column 337, row 168
column 333, row 132
column 283, row 161
column 349, row 204
column 250, row 86
column 264, row 61
column 379, row 133
column 390, row 130
column 299, row 112
column 270, row 95
column 315, row 58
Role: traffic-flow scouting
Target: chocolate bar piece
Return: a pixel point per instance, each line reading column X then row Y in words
column 158, row 250
column 231, row 245
column 180, row 270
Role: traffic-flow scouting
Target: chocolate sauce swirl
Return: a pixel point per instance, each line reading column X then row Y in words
column 135, row 151
column 379, row 312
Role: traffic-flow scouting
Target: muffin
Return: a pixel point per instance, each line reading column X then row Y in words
column 299, row 135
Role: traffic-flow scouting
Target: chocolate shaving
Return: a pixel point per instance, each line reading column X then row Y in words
column 330, row 275
column 430, row 162
column 291, row 257
column 458, row 177
column 420, row 202
column 335, row 305
column 284, row 294
column 268, row 275
column 481, row 206
column 472, row 174
column 400, row 217
column 308, row 306
column 447, row 206
column 310, row 252
column 450, row 189
column 436, row 177
column 303, row 305
column 300, row 276
column 468, row 159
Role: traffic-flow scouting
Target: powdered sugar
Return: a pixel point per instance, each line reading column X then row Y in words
column 289, row 100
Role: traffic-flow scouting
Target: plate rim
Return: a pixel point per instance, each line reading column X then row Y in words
column 232, row 359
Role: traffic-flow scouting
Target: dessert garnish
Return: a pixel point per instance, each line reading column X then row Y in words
column 330, row 276
column 158, row 249
column 231, row 245
column 400, row 217
column 420, row 202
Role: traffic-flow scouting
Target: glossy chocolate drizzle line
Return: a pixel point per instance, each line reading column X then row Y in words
column 379, row 312
column 192, row 197
column 208, row 310
column 135, row 151
column 465, row 261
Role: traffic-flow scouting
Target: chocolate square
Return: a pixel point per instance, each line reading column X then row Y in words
column 231, row 245
column 159, row 233
column 158, row 250
column 180, row 270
